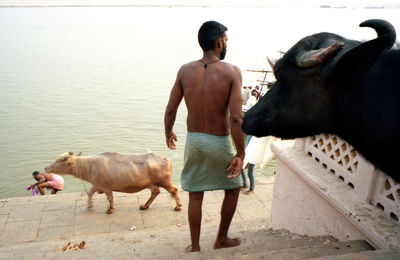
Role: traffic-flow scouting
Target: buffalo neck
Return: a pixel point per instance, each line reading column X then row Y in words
column 368, row 115
column 82, row 168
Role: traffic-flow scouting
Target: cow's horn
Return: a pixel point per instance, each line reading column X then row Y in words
column 64, row 156
column 312, row 58
column 382, row 28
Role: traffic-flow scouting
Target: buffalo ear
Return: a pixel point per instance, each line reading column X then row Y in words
column 354, row 63
column 271, row 63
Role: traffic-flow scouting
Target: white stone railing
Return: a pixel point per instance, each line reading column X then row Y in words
column 369, row 184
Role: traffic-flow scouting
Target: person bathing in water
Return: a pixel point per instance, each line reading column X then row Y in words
column 212, row 92
column 51, row 181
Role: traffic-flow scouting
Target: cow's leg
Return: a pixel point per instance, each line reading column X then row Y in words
column 90, row 195
column 155, row 190
column 110, row 199
column 174, row 193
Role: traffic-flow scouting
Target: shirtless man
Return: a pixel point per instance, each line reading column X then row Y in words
column 212, row 92
column 48, row 180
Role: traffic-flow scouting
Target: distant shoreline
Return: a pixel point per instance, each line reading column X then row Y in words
column 61, row 4
column 145, row 5
column 135, row 5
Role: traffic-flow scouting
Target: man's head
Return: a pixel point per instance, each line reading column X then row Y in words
column 212, row 34
column 35, row 174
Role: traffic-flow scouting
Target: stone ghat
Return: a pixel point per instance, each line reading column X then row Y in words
column 38, row 226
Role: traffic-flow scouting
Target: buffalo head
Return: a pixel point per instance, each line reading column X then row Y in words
column 63, row 165
column 313, row 79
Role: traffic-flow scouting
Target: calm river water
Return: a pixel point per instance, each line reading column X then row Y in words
column 97, row 79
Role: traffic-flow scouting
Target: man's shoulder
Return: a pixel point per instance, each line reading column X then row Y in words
column 187, row 68
column 222, row 66
column 230, row 67
column 196, row 63
column 189, row 65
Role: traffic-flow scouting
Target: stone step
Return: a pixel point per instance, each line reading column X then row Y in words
column 313, row 251
column 258, row 242
column 386, row 254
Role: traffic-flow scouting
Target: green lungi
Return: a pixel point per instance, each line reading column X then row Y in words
column 205, row 162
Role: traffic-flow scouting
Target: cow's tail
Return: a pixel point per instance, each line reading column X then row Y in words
column 165, row 158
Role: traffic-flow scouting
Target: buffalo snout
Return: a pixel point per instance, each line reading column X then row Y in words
column 251, row 126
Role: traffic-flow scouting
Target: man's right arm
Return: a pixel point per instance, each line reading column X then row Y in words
column 236, row 116
column 42, row 179
column 171, row 110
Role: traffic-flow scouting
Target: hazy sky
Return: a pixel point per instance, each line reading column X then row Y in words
column 268, row 3
column 302, row 3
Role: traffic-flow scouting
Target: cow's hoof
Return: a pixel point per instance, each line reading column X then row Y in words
column 178, row 208
column 90, row 204
column 110, row 211
column 143, row 207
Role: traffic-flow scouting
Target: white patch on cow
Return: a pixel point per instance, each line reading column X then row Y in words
column 64, row 156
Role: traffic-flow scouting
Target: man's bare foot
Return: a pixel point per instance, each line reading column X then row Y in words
column 143, row 207
column 248, row 192
column 229, row 242
column 190, row 248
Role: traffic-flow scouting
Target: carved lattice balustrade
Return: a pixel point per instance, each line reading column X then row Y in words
column 369, row 184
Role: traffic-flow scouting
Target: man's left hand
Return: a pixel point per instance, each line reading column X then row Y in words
column 235, row 167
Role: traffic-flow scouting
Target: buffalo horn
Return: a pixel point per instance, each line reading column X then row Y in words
column 312, row 58
column 382, row 28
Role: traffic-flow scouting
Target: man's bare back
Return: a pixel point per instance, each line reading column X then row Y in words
column 207, row 95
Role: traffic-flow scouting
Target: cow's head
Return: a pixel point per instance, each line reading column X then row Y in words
column 63, row 165
column 310, row 77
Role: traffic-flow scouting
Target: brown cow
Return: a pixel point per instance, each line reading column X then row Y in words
column 109, row 172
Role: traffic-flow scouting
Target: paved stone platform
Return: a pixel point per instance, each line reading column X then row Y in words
column 65, row 215
column 34, row 227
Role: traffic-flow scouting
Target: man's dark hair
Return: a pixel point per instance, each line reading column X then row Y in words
column 209, row 32
column 35, row 173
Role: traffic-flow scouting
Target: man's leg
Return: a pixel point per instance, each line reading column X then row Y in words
column 227, row 211
column 243, row 179
column 43, row 185
column 194, row 216
column 250, row 173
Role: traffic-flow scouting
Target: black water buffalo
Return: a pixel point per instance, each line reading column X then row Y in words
column 329, row 84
